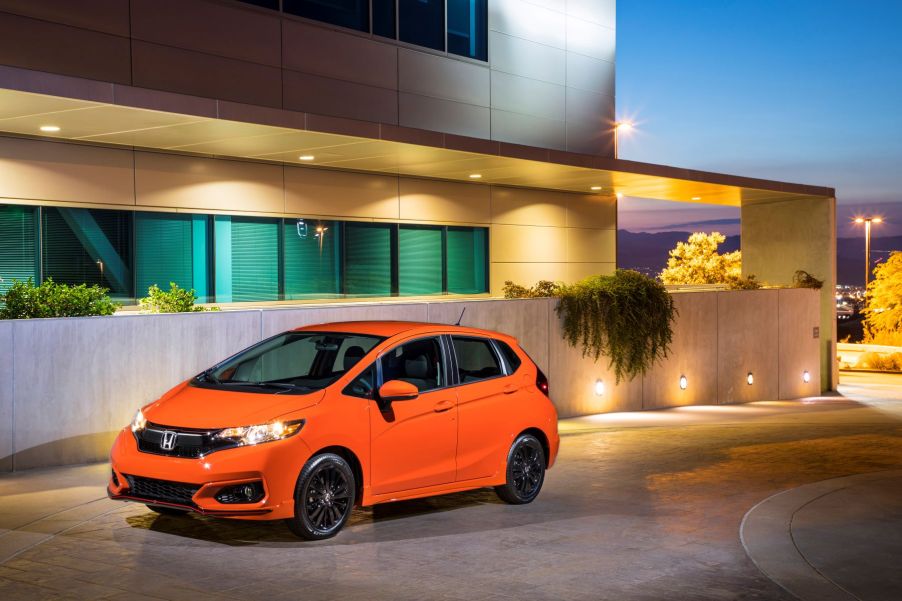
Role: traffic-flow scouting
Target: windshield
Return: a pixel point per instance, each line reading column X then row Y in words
column 290, row 363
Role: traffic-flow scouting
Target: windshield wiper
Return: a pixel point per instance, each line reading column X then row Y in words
column 207, row 374
column 279, row 385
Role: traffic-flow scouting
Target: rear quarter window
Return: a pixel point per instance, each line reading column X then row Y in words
column 510, row 356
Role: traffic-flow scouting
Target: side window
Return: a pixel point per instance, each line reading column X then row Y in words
column 476, row 360
column 364, row 385
column 352, row 350
column 418, row 362
column 510, row 357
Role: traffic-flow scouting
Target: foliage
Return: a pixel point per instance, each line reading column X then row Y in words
column 879, row 361
column 174, row 300
column 883, row 311
column 741, row 283
column 803, row 279
column 626, row 316
column 697, row 261
column 24, row 300
column 542, row 289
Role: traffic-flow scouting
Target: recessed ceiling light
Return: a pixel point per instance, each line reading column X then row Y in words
column 696, row 198
column 596, row 188
column 50, row 128
column 475, row 175
column 306, row 157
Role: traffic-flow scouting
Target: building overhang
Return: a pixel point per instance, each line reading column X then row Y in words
column 122, row 116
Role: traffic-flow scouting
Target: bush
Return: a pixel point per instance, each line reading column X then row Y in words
column 24, row 300
column 174, row 300
column 741, row 283
column 542, row 289
column 626, row 316
column 803, row 279
column 879, row 361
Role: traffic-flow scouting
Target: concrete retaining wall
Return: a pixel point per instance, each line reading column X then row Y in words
column 67, row 385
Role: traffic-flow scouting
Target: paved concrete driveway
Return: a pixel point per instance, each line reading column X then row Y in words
column 640, row 506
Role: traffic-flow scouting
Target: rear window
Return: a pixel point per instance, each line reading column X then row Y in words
column 510, row 357
column 476, row 359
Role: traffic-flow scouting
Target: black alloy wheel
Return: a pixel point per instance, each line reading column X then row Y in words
column 525, row 471
column 324, row 497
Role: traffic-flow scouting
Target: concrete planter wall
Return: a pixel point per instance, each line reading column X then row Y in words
column 68, row 385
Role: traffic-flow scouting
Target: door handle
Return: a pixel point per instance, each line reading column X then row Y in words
column 443, row 406
column 510, row 389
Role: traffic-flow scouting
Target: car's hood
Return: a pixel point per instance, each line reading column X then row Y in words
column 194, row 407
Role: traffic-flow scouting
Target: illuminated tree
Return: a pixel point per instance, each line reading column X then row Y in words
column 883, row 312
column 698, row 262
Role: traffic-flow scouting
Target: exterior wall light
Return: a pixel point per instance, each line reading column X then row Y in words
column 696, row 198
column 595, row 188
column 599, row 387
column 806, row 377
column 750, row 379
column 50, row 129
column 475, row 176
column 684, row 383
column 306, row 157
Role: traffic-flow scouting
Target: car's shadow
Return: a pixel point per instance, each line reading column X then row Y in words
column 368, row 524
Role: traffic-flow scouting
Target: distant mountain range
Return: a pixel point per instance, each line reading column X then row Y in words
column 648, row 252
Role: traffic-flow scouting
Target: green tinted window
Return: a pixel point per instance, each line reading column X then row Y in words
column 18, row 248
column 171, row 247
column 467, row 251
column 255, row 259
column 311, row 259
column 419, row 260
column 368, row 259
column 89, row 246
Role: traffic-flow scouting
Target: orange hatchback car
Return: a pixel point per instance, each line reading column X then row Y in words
column 307, row 424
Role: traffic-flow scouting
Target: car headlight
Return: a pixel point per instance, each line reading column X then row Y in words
column 247, row 435
column 139, row 422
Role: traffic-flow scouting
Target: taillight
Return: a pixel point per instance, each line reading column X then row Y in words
column 541, row 381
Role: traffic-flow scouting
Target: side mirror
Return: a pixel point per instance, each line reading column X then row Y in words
column 398, row 390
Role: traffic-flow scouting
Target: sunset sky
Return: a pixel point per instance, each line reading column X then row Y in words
column 806, row 91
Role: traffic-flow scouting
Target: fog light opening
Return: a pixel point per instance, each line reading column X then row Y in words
column 248, row 492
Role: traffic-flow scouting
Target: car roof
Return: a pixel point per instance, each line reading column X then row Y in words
column 389, row 329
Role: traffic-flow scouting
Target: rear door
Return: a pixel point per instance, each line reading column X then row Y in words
column 486, row 397
column 414, row 443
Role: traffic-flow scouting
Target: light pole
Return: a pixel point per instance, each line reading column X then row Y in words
column 867, row 245
column 619, row 128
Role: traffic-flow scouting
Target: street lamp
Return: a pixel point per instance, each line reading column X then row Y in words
column 867, row 245
column 620, row 127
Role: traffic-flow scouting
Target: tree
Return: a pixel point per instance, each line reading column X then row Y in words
column 883, row 311
column 698, row 262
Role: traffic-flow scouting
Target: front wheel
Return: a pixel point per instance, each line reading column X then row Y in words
column 525, row 471
column 323, row 497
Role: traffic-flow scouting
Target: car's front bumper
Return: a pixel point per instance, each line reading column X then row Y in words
column 193, row 484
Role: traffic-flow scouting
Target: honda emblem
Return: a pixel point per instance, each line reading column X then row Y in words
column 167, row 443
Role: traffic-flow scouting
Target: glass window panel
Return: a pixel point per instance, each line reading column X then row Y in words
column 422, row 22
column 476, row 360
column 467, row 250
column 419, row 363
column 255, row 259
column 467, row 28
column 18, row 245
column 89, row 246
column 311, row 259
column 271, row 4
column 354, row 14
column 368, row 261
column 171, row 247
column 419, row 260
column 384, row 18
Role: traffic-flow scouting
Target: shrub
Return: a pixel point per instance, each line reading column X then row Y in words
column 879, row 361
column 803, row 279
column 174, row 300
column 626, row 316
column 542, row 289
column 741, row 283
column 24, row 300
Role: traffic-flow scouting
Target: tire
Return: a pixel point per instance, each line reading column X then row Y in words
column 525, row 471
column 323, row 498
column 164, row 510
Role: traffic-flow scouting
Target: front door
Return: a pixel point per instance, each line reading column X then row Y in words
column 414, row 443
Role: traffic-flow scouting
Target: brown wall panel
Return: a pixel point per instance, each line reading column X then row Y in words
column 326, row 96
column 176, row 70
column 108, row 16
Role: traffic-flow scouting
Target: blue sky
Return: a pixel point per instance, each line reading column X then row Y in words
column 806, row 91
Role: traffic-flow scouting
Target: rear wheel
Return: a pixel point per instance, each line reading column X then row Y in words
column 525, row 471
column 164, row 510
column 323, row 497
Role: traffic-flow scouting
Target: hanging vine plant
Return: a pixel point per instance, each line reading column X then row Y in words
column 626, row 316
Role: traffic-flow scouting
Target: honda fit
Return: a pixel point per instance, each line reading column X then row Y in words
column 307, row 424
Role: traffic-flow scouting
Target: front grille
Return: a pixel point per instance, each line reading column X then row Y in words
column 161, row 490
column 189, row 443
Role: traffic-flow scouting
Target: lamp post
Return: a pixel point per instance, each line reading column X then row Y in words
column 867, row 221
column 620, row 127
